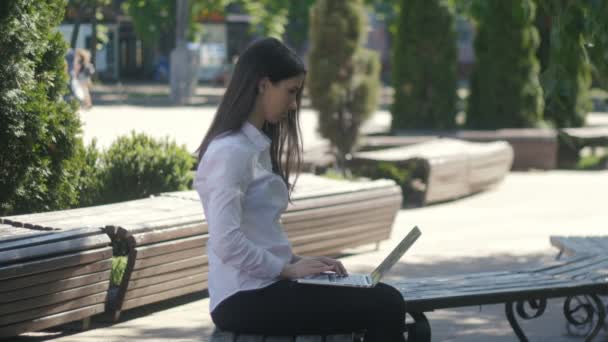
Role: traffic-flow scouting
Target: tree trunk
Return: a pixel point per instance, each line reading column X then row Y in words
column 94, row 35
column 76, row 29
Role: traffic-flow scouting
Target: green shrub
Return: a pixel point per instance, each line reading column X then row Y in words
column 119, row 264
column 138, row 166
column 505, row 86
column 425, row 66
column 39, row 131
column 408, row 177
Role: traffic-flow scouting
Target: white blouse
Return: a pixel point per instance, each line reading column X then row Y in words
column 243, row 201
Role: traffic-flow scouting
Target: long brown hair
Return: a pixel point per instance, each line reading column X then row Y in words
column 270, row 58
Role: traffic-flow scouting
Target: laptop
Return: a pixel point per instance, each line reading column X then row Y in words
column 365, row 280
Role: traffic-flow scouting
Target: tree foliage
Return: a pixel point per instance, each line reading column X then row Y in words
column 39, row 141
column 505, row 87
column 424, row 66
column 578, row 45
column 343, row 77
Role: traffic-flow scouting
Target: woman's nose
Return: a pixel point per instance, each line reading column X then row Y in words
column 293, row 105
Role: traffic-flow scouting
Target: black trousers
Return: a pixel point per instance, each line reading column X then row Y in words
column 290, row 308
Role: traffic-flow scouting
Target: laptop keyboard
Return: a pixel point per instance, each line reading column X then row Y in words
column 358, row 280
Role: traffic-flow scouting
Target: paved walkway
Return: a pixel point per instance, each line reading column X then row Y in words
column 505, row 228
column 187, row 125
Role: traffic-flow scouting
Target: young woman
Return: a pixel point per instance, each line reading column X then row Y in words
column 244, row 189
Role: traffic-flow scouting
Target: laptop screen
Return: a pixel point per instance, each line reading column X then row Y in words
column 395, row 255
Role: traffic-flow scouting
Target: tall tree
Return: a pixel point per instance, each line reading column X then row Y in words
column 505, row 86
column 343, row 77
column 578, row 45
column 424, row 66
column 39, row 138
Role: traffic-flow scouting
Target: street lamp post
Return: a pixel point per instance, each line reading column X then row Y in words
column 184, row 62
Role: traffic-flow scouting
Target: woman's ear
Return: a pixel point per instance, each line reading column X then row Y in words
column 263, row 84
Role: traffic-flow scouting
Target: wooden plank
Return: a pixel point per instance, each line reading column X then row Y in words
column 279, row 339
column 309, row 338
column 330, row 200
column 12, row 234
column 169, row 267
column 334, row 234
column 342, row 243
column 166, row 286
column 54, row 298
column 46, row 277
column 50, row 321
column 297, row 228
column 54, row 263
column 289, row 217
column 22, row 316
column 171, row 246
column 50, row 238
column 339, row 338
column 59, row 247
column 53, row 287
column 141, row 282
column 128, row 304
column 171, row 233
column 222, row 336
column 170, row 257
column 250, row 338
column 385, row 221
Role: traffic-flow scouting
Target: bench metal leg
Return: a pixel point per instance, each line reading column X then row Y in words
column 538, row 305
column 420, row 330
column 585, row 315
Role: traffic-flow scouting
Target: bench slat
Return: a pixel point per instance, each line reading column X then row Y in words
column 59, row 247
column 22, row 316
column 69, row 272
column 277, row 339
column 166, row 286
column 169, row 257
column 163, row 295
column 58, row 297
column 339, row 338
column 52, row 287
column 250, row 338
column 54, row 263
column 222, row 336
column 309, row 338
column 170, row 267
column 49, row 321
column 141, row 282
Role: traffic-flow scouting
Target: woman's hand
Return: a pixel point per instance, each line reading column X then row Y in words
column 336, row 265
column 307, row 266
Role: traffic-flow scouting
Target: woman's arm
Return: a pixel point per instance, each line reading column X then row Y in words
column 221, row 181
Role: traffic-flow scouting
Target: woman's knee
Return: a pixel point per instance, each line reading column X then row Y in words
column 390, row 298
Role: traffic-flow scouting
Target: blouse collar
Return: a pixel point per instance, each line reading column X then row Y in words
column 257, row 137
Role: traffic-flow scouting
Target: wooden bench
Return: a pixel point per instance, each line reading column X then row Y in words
column 573, row 140
column 580, row 245
column 532, row 148
column 524, row 293
column 51, row 278
column 453, row 168
column 165, row 237
column 223, row 336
